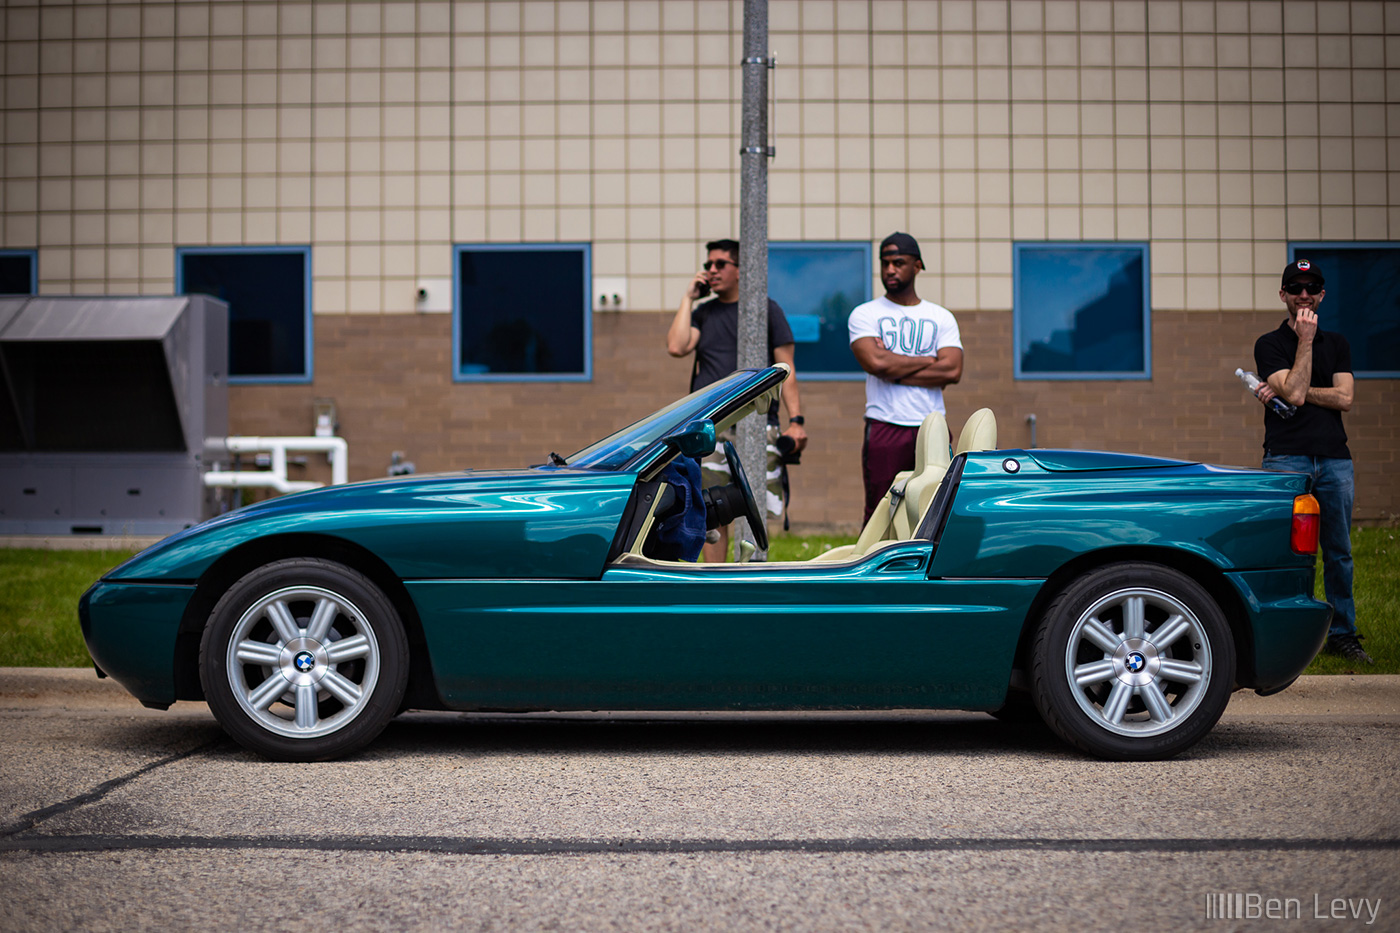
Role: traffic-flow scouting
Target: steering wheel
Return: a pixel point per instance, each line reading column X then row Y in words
column 751, row 512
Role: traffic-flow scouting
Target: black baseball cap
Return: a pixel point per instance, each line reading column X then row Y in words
column 903, row 244
column 1301, row 268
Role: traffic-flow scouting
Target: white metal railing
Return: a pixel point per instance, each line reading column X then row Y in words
column 335, row 448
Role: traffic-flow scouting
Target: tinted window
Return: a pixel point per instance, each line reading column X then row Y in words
column 269, row 306
column 17, row 272
column 818, row 285
column 1081, row 311
column 1363, row 301
column 523, row 312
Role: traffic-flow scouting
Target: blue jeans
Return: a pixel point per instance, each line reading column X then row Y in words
column 1334, row 487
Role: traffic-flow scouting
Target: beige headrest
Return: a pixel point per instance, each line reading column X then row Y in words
column 980, row 432
column 932, row 444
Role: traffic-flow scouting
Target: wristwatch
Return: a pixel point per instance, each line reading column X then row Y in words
column 797, row 419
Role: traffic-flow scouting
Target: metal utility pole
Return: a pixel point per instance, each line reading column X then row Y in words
column 753, row 245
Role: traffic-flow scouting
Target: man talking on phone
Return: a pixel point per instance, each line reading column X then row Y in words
column 710, row 330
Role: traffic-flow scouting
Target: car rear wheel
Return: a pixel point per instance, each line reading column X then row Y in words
column 1132, row 662
column 304, row 660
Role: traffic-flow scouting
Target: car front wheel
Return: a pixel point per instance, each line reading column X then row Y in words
column 304, row 660
column 1133, row 662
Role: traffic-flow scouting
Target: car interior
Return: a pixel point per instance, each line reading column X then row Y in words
column 897, row 517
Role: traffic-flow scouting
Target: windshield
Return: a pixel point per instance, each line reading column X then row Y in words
column 616, row 450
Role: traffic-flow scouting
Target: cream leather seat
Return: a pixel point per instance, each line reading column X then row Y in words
column 979, row 433
column 894, row 519
column 898, row 515
column 931, row 460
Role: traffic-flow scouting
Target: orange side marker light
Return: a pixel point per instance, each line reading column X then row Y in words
column 1307, row 523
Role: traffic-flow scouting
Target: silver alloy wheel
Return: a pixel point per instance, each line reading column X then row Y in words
column 329, row 653
column 1142, row 644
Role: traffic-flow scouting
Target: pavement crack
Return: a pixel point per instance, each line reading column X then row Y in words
column 29, row 820
column 468, row 845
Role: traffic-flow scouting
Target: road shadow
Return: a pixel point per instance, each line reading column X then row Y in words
column 935, row 734
column 959, row 734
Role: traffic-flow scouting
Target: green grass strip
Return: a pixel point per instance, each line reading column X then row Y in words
column 39, row 592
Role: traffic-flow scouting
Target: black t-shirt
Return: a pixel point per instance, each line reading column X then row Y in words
column 1313, row 431
column 717, row 353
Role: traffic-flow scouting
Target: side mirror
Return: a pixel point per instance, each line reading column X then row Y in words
column 695, row 439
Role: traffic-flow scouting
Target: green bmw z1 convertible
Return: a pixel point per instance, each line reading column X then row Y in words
column 1121, row 597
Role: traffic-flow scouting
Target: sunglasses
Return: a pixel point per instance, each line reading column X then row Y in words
column 1297, row 288
column 719, row 264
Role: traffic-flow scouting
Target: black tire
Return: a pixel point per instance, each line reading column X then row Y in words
column 1132, row 662
column 324, row 634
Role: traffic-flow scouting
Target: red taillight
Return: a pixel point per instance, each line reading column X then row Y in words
column 1307, row 520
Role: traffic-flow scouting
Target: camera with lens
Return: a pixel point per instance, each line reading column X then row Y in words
column 723, row 504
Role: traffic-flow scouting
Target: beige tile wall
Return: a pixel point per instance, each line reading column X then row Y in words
column 381, row 133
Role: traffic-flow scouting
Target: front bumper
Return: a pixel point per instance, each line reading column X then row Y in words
column 130, row 631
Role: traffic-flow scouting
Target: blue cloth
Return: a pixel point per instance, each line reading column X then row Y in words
column 681, row 532
column 1335, row 488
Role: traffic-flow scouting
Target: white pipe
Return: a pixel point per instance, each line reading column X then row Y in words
column 247, row 478
column 335, row 448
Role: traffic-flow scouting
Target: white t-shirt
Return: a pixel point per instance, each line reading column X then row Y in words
column 918, row 330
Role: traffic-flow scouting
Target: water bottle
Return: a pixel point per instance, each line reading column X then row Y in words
column 1279, row 406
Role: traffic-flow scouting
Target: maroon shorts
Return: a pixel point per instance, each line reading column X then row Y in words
column 888, row 449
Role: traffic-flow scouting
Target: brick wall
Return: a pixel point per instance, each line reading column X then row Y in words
column 390, row 377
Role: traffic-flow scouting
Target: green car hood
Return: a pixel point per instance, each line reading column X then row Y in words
column 541, row 522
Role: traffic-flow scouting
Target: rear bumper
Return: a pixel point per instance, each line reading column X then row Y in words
column 1286, row 626
column 130, row 631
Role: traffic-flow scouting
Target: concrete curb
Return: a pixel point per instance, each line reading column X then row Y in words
column 1374, row 696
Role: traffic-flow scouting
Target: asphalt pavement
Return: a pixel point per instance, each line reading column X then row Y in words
column 117, row 817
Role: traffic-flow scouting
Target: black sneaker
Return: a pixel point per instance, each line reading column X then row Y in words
column 1347, row 646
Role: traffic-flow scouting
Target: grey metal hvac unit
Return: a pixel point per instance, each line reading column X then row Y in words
column 105, row 404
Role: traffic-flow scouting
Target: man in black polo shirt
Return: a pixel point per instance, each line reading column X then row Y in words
column 1311, row 368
